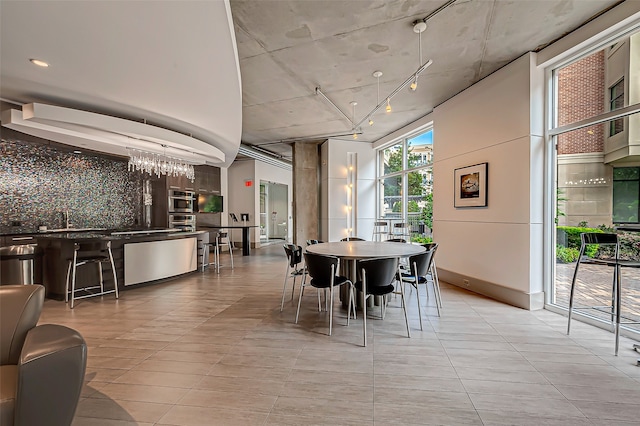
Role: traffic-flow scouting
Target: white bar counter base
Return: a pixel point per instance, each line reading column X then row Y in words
column 155, row 260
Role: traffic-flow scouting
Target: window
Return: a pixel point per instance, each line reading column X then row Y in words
column 405, row 179
column 626, row 192
column 616, row 93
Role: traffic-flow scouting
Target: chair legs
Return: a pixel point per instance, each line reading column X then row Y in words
column 616, row 299
column 288, row 275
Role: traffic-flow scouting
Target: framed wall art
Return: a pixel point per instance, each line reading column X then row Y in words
column 470, row 186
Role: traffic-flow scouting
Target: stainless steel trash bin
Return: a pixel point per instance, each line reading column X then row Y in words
column 17, row 264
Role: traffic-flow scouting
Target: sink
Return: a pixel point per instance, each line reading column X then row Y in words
column 73, row 230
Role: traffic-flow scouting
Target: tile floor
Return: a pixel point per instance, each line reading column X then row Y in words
column 212, row 349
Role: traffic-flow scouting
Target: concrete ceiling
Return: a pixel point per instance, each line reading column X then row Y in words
column 172, row 62
column 288, row 48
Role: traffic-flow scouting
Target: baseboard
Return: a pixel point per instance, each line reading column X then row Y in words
column 528, row 301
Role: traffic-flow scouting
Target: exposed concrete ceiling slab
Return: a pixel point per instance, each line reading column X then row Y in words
column 287, row 48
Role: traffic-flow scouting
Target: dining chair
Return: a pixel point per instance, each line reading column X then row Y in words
column 420, row 265
column 352, row 239
column 395, row 240
column 311, row 242
column 606, row 243
column 323, row 271
column 294, row 258
column 378, row 276
column 433, row 271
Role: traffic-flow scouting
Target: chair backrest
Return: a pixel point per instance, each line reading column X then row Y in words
column 294, row 254
column 380, row 272
column 319, row 267
column 396, row 240
column 607, row 243
column 429, row 246
column 353, row 239
column 380, row 223
column 312, row 242
column 92, row 245
column 421, row 263
column 598, row 238
column 20, row 307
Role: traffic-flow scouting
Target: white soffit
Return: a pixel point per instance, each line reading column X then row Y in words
column 108, row 134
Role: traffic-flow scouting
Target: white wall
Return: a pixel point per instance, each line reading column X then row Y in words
column 500, row 245
column 333, row 180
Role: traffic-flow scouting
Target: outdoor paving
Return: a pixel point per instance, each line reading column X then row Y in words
column 593, row 288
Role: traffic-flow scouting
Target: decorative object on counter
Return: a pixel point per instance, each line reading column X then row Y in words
column 157, row 164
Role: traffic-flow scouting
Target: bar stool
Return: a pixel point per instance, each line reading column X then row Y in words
column 611, row 241
column 222, row 238
column 401, row 230
column 380, row 230
column 206, row 248
column 85, row 253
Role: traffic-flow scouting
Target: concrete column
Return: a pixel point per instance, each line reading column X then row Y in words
column 305, row 192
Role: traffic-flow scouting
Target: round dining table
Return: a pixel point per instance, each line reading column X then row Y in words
column 359, row 250
column 354, row 250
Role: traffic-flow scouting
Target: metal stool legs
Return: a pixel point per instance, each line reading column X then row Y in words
column 218, row 244
column 70, row 295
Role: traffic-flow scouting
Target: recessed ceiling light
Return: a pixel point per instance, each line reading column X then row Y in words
column 39, row 63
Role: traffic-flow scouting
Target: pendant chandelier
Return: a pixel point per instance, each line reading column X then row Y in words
column 159, row 165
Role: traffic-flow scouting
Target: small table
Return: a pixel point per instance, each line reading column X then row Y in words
column 246, row 239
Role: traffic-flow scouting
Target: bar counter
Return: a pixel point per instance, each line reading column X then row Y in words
column 140, row 257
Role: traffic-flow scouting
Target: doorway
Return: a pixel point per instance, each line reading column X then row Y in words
column 274, row 212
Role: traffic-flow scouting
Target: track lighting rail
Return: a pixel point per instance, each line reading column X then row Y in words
column 411, row 78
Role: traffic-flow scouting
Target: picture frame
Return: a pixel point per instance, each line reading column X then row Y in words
column 470, row 186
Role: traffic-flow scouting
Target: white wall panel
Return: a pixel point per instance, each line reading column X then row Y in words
column 492, row 111
column 493, row 252
column 492, row 122
column 508, row 184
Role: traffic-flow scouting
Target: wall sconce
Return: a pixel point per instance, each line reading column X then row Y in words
column 352, row 178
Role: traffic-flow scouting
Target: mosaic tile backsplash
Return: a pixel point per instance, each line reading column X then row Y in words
column 38, row 183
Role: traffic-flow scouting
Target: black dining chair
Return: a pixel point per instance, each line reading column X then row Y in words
column 395, row 240
column 323, row 271
column 353, row 239
column 420, row 265
column 312, row 242
column 294, row 258
column 378, row 276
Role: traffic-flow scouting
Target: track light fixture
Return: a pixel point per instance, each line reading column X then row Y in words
column 353, row 118
column 419, row 27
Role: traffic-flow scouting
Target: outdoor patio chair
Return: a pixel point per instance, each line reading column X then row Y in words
column 610, row 242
